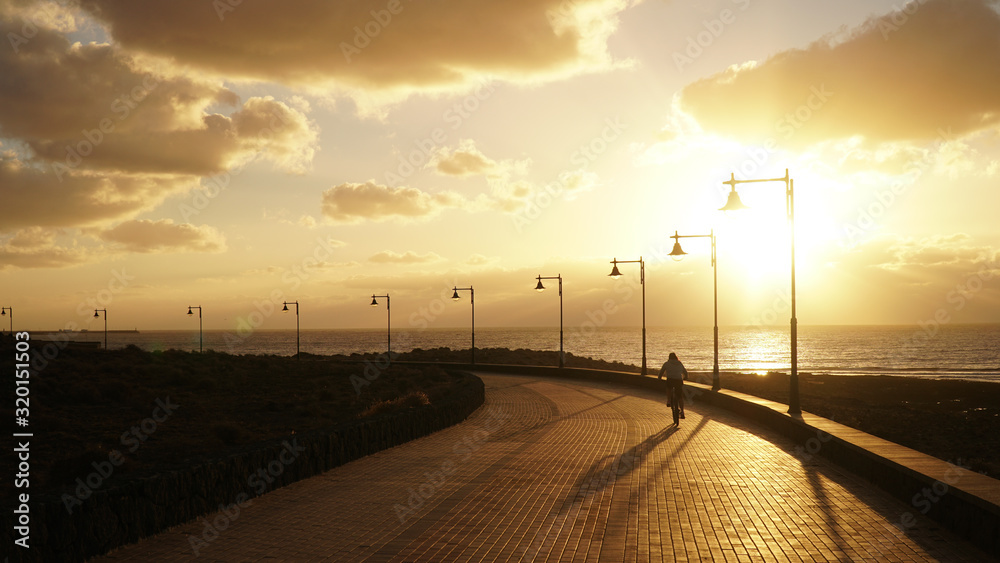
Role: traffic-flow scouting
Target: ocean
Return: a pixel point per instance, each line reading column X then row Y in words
column 947, row 351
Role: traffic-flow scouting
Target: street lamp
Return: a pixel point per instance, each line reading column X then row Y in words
column 678, row 253
column 200, row 332
column 472, row 300
column 97, row 316
column 285, row 309
column 734, row 204
column 540, row 288
column 3, row 312
column 388, row 322
column 615, row 274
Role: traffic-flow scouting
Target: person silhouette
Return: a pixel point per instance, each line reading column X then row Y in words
column 676, row 374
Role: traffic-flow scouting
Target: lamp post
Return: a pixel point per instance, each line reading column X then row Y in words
column 734, row 204
column 615, row 274
column 388, row 322
column 285, row 309
column 540, row 288
column 472, row 300
column 200, row 332
column 97, row 316
column 3, row 312
column 678, row 253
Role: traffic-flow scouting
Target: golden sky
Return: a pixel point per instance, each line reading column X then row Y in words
column 236, row 154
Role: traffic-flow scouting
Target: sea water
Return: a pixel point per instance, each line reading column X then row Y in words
column 949, row 351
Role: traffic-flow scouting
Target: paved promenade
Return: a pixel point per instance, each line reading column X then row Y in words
column 556, row 470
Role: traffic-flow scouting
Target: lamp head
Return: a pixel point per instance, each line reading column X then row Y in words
column 285, row 308
column 733, row 203
column 455, row 296
column 615, row 274
column 374, row 303
column 4, row 312
column 539, row 287
column 96, row 316
column 677, row 253
column 190, row 312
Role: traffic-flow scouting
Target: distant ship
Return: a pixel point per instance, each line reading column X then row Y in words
column 110, row 331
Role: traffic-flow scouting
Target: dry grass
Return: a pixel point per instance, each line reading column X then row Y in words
column 87, row 403
column 410, row 400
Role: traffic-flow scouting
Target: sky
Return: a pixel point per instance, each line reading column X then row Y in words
column 235, row 155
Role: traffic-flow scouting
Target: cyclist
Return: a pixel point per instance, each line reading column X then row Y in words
column 676, row 374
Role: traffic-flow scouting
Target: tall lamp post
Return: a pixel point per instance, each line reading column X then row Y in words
column 97, row 316
column 200, row 332
column 285, row 309
column 388, row 322
column 540, row 288
column 678, row 252
column 615, row 274
column 734, row 204
column 472, row 300
column 3, row 312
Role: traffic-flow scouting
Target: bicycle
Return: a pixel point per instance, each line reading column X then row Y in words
column 674, row 399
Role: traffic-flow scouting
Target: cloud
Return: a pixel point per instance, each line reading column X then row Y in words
column 34, row 14
column 36, row 247
column 164, row 236
column 98, row 138
column 481, row 260
column 91, row 107
column 510, row 190
column 898, row 77
column 926, row 268
column 937, row 252
column 79, row 199
column 409, row 257
column 354, row 203
column 370, row 44
column 464, row 160
column 268, row 271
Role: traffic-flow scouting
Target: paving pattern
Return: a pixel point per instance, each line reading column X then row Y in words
column 556, row 470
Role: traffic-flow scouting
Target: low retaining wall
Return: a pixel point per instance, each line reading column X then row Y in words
column 129, row 508
column 961, row 500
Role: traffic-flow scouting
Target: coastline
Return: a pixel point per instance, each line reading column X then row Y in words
column 958, row 351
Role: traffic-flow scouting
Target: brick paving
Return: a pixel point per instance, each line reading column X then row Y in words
column 556, row 470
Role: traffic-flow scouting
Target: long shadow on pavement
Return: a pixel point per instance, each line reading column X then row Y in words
column 926, row 533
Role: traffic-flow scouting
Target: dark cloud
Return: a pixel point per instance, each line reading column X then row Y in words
column 90, row 107
column 898, row 77
column 370, row 44
column 92, row 138
column 78, row 199
column 36, row 247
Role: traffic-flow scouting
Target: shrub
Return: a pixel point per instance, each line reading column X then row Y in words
column 410, row 400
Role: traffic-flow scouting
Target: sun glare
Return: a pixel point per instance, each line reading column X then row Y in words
column 755, row 242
